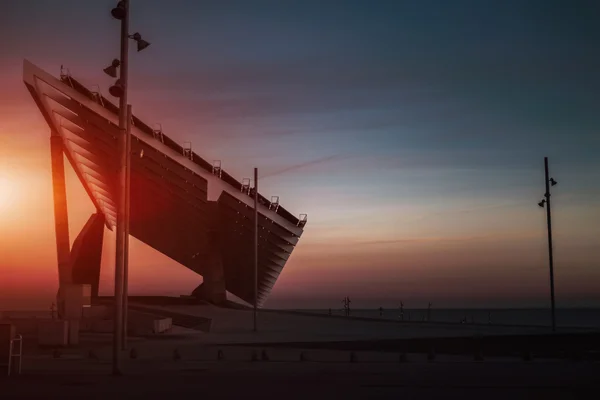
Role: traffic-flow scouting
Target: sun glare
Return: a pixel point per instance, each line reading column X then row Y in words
column 8, row 194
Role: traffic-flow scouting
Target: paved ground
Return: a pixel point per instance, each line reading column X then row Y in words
column 235, row 326
column 187, row 362
column 165, row 352
column 296, row 380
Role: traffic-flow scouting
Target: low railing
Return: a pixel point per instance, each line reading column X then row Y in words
column 15, row 344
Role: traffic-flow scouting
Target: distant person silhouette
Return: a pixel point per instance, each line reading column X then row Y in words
column 402, row 311
column 381, row 311
column 347, row 306
column 330, row 311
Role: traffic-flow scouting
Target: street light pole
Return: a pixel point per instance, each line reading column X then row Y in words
column 549, row 182
column 127, row 223
column 550, row 257
column 255, row 244
column 122, row 178
column 119, row 89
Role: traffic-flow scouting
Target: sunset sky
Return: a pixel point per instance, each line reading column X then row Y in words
column 412, row 133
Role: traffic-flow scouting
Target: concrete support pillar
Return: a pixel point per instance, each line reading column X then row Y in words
column 61, row 217
column 214, row 274
column 212, row 288
column 86, row 255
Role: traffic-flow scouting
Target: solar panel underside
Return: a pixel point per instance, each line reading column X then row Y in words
column 172, row 192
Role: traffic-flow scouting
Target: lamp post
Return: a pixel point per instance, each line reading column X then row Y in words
column 120, row 12
column 119, row 89
column 274, row 205
column 255, row 244
column 127, row 223
column 546, row 202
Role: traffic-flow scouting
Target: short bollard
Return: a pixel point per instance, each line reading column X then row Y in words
column 220, row 355
column 303, row 356
column 133, row 354
column 353, row 357
column 176, row 355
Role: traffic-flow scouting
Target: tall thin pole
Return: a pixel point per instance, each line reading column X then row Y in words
column 122, row 178
column 255, row 244
column 551, row 259
column 127, row 223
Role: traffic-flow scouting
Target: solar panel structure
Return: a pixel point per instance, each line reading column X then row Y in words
column 181, row 205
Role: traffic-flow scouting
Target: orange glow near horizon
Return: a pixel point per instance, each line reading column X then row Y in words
column 9, row 194
column 371, row 252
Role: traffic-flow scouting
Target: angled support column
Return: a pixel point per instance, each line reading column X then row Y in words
column 86, row 254
column 212, row 288
column 61, row 217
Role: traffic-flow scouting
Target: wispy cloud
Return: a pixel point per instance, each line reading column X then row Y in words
column 456, row 213
column 304, row 165
column 422, row 240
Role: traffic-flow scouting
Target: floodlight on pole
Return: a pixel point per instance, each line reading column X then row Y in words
column 117, row 90
column 541, row 203
column 120, row 11
column 111, row 70
column 141, row 43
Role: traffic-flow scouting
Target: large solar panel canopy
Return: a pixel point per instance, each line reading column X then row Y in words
column 177, row 197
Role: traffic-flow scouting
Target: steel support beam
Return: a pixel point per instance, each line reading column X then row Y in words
column 61, row 216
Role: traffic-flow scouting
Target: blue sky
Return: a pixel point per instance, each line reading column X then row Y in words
column 385, row 121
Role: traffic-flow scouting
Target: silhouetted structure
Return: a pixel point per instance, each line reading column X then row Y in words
column 546, row 201
column 181, row 205
column 346, row 302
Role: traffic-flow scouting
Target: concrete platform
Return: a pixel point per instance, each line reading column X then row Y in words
column 284, row 380
column 235, row 326
column 209, row 363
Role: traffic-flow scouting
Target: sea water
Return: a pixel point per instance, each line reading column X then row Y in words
column 565, row 317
